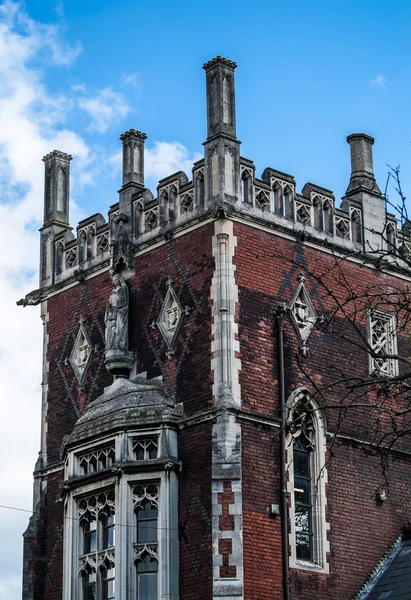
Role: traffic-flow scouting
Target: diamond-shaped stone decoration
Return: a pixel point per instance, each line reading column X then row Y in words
column 170, row 316
column 81, row 353
column 302, row 311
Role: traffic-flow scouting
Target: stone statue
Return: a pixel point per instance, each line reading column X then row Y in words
column 116, row 318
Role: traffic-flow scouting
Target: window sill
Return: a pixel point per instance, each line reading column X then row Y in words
column 307, row 565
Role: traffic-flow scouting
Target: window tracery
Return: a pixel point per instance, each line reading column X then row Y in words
column 306, row 485
column 145, row 448
column 145, row 504
column 96, row 515
column 97, row 459
column 383, row 342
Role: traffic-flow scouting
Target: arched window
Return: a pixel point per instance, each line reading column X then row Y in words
column 278, row 200
column 306, row 484
column 138, row 217
column 390, row 235
column 145, row 499
column 147, row 578
column 199, row 189
column 96, row 551
column 172, row 204
column 82, row 246
column 59, row 257
column 163, row 207
column 328, row 216
column 91, row 236
column 246, row 191
column 356, row 226
column 288, row 202
column 318, row 214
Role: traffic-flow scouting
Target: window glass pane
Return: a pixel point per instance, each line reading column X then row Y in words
column 302, row 491
column 301, row 464
column 147, row 531
column 303, row 519
column 147, row 586
column 89, row 586
column 108, row 532
column 302, row 499
column 139, row 453
column 152, row 450
column 90, row 537
column 147, row 523
column 303, row 546
column 108, row 583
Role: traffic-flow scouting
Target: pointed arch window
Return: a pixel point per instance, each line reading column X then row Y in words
column 145, row 502
column 306, row 485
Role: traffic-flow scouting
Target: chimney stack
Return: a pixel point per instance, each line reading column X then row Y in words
column 362, row 169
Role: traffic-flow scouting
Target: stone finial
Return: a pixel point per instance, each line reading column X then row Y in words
column 133, row 157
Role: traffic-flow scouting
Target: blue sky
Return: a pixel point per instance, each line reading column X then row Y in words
column 75, row 75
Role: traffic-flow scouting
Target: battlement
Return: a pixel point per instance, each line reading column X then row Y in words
column 221, row 182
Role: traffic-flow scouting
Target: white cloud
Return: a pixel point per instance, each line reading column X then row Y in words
column 104, row 108
column 30, row 126
column 379, row 81
column 166, row 158
column 161, row 160
column 34, row 121
column 132, row 79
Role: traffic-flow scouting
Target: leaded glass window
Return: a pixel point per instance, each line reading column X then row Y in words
column 145, row 501
column 306, row 483
column 303, row 499
column 89, row 585
column 146, row 448
column 147, row 578
column 108, row 582
column 99, row 459
column 96, row 553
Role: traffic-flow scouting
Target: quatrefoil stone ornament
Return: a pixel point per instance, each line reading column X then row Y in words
column 81, row 354
column 302, row 311
column 170, row 317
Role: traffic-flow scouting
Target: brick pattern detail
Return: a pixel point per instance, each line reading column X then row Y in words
column 225, row 548
column 226, row 523
column 225, row 498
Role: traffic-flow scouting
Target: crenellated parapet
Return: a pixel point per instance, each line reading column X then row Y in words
column 223, row 182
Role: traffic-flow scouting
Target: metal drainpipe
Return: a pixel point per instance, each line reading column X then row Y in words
column 280, row 312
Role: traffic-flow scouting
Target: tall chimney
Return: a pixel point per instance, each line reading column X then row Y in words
column 221, row 149
column 363, row 193
column 220, row 97
column 56, row 187
column 133, row 157
column 362, row 169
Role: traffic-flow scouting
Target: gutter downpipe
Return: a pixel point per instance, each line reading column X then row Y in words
column 280, row 312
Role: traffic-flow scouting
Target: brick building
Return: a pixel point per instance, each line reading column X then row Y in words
column 190, row 448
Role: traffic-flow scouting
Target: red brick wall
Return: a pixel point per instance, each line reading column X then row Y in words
column 186, row 375
column 361, row 531
column 195, row 512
